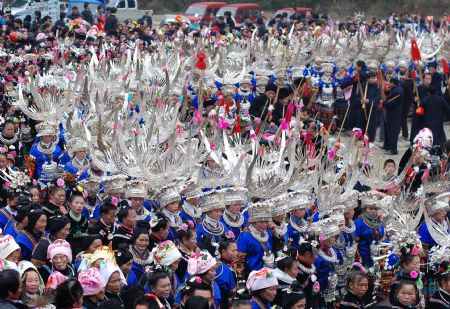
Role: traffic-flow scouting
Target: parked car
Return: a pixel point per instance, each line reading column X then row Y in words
column 241, row 10
column 291, row 11
column 171, row 18
column 201, row 11
column 129, row 9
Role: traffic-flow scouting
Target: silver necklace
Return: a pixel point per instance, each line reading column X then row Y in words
column 191, row 210
column 326, row 257
column 349, row 229
column 79, row 165
column 227, row 217
column 280, row 230
column 8, row 142
column 261, row 237
column 307, row 270
column 213, row 227
column 46, row 150
column 174, row 219
column 300, row 228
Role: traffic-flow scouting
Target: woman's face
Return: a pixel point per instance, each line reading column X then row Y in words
column 77, row 205
column 440, row 216
column 413, row 265
column 191, row 243
column 210, row 274
column 32, row 282
column 359, row 287
column 114, row 284
column 299, row 213
column 301, row 304
column 9, row 130
column 94, row 246
column 35, row 195
column 268, row 294
column 407, row 294
column 40, row 225
column 349, row 214
column 162, row 288
column 329, row 242
column 58, row 197
column 142, row 241
column 60, row 261
column 234, row 208
column 126, row 267
column 174, row 265
column 215, row 214
column 261, row 226
column 164, row 233
column 231, row 253
column 131, row 219
column 293, row 270
column 47, row 138
column 372, row 211
column 63, row 233
column 136, row 202
column 81, row 155
column 172, row 207
column 14, row 256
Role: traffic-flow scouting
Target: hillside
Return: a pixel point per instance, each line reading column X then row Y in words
column 335, row 7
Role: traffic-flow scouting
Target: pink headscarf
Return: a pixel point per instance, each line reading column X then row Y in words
column 59, row 247
column 91, row 281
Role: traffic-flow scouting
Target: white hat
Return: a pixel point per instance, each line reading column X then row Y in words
column 7, row 246
column 261, row 279
column 166, row 253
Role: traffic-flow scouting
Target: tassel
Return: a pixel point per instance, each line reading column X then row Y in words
column 420, row 111
column 445, row 66
column 237, row 125
column 306, row 90
column 201, row 64
column 415, row 52
column 413, row 75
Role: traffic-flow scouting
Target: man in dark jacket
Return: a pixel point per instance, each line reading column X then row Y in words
column 111, row 23
column 87, row 14
column 408, row 88
column 281, row 107
column 259, row 106
column 436, row 109
column 355, row 117
column 417, row 120
column 394, row 109
column 373, row 97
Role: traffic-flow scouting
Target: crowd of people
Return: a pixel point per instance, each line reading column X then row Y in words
column 204, row 166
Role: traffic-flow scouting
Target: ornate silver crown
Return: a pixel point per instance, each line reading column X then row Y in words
column 234, row 195
column 136, row 189
column 299, row 200
column 115, row 184
column 437, row 203
column 259, row 211
column 212, row 200
column 168, row 194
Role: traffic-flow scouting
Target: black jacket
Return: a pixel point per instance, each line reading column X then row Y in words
column 355, row 99
column 111, row 24
column 257, row 107
column 106, row 234
column 351, row 301
column 122, row 236
column 437, row 110
column 440, row 300
column 87, row 16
